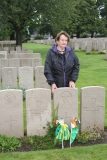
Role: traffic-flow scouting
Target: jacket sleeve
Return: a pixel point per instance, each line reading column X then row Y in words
column 75, row 70
column 48, row 69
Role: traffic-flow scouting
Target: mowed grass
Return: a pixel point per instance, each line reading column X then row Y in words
column 93, row 72
column 95, row 152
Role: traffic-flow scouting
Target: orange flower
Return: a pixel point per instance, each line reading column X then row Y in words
column 54, row 121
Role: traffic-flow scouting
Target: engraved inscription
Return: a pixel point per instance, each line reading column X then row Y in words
column 11, row 121
column 66, row 99
column 9, row 98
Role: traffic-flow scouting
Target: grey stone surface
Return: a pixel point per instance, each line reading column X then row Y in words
column 25, row 62
column 88, row 48
column 18, row 48
column 1, row 49
column 100, row 48
column 0, row 77
column 66, row 99
column 7, row 49
column 3, row 62
column 38, row 108
column 26, row 77
column 40, row 78
column 23, row 48
column 14, row 62
column 12, row 48
column 4, row 52
column 12, row 55
column 106, row 53
column 92, row 108
column 83, row 46
column 11, row 113
column 36, row 55
column 2, row 55
column 29, row 51
column 12, row 51
column 9, row 77
column 76, row 46
column 36, row 62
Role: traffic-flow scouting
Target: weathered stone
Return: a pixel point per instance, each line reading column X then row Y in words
column 11, row 113
column 26, row 77
column 38, row 108
column 9, row 77
column 92, row 108
column 66, row 99
column 40, row 78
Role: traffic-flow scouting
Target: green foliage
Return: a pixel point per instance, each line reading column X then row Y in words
column 39, row 37
column 51, row 126
column 84, row 35
column 8, row 144
column 84, row 137
column 39, row 142
column 54, row 114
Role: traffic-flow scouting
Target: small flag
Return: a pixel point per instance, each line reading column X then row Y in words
column 74, row 130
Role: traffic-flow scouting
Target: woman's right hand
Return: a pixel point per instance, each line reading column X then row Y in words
column 53, row 88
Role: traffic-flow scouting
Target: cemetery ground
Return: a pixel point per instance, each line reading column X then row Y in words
column 93, row 72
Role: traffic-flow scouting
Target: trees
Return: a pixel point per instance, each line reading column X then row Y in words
column 17, row 15
column 57, row 17
column 85, row 17
column 51, row 16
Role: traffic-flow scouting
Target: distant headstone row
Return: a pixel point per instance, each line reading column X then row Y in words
column 25, row 75
column 39, row 109
column 85, row 44
column 3, row 54
column 20, row 62
column 11, row 46
column 7, row 43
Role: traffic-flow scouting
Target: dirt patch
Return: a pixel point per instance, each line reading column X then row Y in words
column 27, row 147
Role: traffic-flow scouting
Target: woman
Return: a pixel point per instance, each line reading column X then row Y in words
column 61, row 64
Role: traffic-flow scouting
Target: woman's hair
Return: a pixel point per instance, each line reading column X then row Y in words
column 62, row 33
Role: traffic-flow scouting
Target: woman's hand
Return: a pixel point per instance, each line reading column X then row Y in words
column 53, row 88
column 71, row 84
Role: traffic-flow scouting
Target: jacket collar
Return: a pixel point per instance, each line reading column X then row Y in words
column 54, row 48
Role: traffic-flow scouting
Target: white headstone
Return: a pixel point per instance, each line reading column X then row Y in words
column 66, row 99
column 92, row 108
column 9, row 77
column 11, row 113
column 38, row 108
column 40, row 78
column 26, row 77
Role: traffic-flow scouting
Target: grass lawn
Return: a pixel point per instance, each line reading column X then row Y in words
column 95, row 152
column 93, row 72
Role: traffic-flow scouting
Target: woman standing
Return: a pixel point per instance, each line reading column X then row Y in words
column 61, row 64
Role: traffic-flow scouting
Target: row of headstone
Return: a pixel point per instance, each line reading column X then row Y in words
column 85, row 44
column 20, row 62
column 15, row 50
column 79, row 43
column 39, row 109
column 7, row 43
column 26, row 75
column 44, row 41
column 3, row 54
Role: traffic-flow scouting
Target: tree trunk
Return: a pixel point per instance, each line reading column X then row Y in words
column 12, row 36
column 92, row 34
column 18, row 38
column 78, row 34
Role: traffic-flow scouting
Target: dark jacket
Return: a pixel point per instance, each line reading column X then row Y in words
column 60, row 69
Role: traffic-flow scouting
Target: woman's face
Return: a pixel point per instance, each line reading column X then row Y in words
column 62, row 42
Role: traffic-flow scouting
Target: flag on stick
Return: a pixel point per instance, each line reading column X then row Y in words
column 74, row 130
